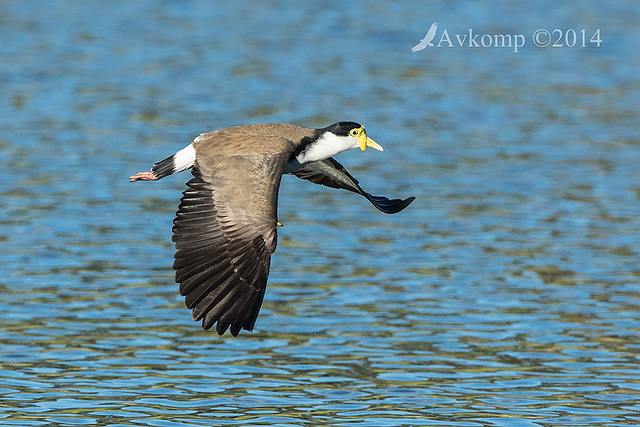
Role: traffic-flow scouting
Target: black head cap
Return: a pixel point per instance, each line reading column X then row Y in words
column 342, row 128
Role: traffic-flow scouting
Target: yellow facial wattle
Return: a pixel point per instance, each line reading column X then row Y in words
column 365, row 141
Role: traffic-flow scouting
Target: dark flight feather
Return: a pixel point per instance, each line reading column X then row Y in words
column 331, row 173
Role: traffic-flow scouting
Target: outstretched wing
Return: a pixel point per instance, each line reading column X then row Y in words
column 331, row 173
column 225, row 233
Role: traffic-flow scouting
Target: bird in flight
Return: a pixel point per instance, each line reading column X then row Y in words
column 426, row 41
column 225, row 227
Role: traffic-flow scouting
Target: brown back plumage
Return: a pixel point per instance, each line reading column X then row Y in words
column 264, row 138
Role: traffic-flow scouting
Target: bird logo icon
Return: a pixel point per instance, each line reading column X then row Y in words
column 426, row 41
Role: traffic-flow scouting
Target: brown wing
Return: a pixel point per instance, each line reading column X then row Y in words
column 331, row 173
column 225, row 233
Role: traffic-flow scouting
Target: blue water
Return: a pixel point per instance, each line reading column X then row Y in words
column 508, row 294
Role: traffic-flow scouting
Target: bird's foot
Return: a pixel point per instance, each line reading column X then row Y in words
column 143, row 176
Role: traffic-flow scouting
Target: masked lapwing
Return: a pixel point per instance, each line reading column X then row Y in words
column 225, row 227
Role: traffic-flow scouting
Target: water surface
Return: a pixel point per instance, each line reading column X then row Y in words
column 508, row 294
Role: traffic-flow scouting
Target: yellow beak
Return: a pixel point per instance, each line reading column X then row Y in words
column 365, row 141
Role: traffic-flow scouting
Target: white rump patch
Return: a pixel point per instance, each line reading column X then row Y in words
column 184, row 158
column 201, row 136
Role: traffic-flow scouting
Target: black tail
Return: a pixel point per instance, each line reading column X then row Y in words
column 164, row 167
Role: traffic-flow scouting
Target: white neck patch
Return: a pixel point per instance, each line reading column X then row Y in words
column 328, row 145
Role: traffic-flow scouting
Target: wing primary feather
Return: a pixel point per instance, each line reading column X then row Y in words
column 210, row 298
column 331, row 173
column 219, row 309
column 387, row 206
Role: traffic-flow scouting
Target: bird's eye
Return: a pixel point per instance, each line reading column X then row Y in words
column 353, row 132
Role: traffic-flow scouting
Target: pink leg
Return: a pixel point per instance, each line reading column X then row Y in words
column 143, row 176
